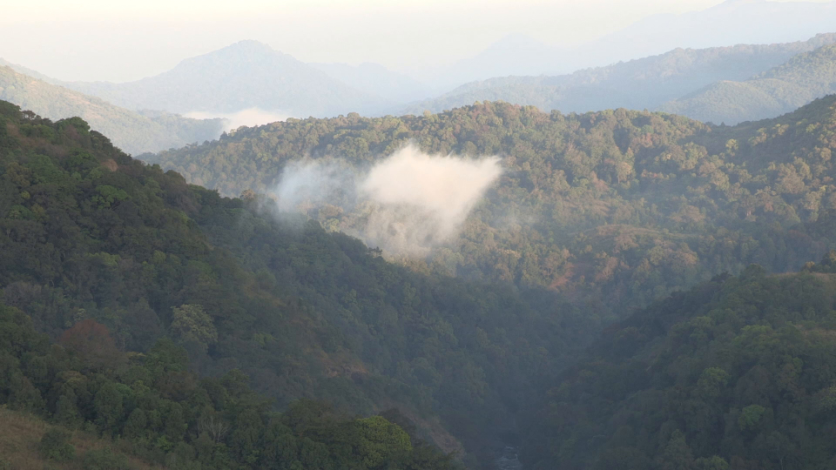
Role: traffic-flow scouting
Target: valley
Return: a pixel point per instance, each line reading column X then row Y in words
column 362, row 240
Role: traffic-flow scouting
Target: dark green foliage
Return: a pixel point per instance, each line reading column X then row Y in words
column 106, row 254
column 737, row 373
column 166, row 415
column 55, row 445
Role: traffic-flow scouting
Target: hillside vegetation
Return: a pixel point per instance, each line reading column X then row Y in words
column 108, row 256
column 134, row 132
column 613, row 209
column 159, row 412
column 737, row 373
column 782, row 89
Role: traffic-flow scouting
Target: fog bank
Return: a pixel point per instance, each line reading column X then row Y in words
column 406, row 204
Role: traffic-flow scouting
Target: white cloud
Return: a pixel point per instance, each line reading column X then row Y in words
column 406, row 204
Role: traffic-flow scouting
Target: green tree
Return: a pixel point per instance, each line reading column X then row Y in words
column 191, row 323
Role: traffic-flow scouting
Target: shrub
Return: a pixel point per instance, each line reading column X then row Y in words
column 55, row 445
column 104, row 459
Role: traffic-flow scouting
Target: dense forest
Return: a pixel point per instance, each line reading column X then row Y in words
column 134, row 132
column 191, row 330
column 737, row 373
column 160, row 412
column 98, row 245
column 613, row 209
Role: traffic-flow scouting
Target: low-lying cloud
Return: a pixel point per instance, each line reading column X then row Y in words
column 405, row 204
column 246, row 117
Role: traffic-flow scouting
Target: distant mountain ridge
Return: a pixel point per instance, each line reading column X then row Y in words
column 375, row 79
column 731, row 22
column 779, row 90
column 133, row 131
column 247, row 74
column 638, row 84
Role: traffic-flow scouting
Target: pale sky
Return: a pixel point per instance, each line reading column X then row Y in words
column 116, row 40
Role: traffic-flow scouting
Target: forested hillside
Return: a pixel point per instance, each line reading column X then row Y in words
column 614, row 209
column 131, row 131
column 108, row 256
column 646, row 83
column 782, row 89
column 737, row 373
column 160, row 413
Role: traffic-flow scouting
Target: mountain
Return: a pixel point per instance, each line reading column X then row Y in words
column 147, row 323
column 375, row 79
column 135, row 132
column 731, row 22
column 734, row 373
column 612, row 209
column 245, row 75
column 155, row 290
column 797, row 82
column 646, row 83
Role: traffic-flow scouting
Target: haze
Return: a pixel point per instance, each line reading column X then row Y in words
column 116, row 41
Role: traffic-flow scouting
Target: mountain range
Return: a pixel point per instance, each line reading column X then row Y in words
column 250, row 76
column 731, row 22
column 648, row 83
column 771, row 93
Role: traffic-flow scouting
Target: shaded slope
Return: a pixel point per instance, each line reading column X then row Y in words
column 88, row 233
column 735, row 373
